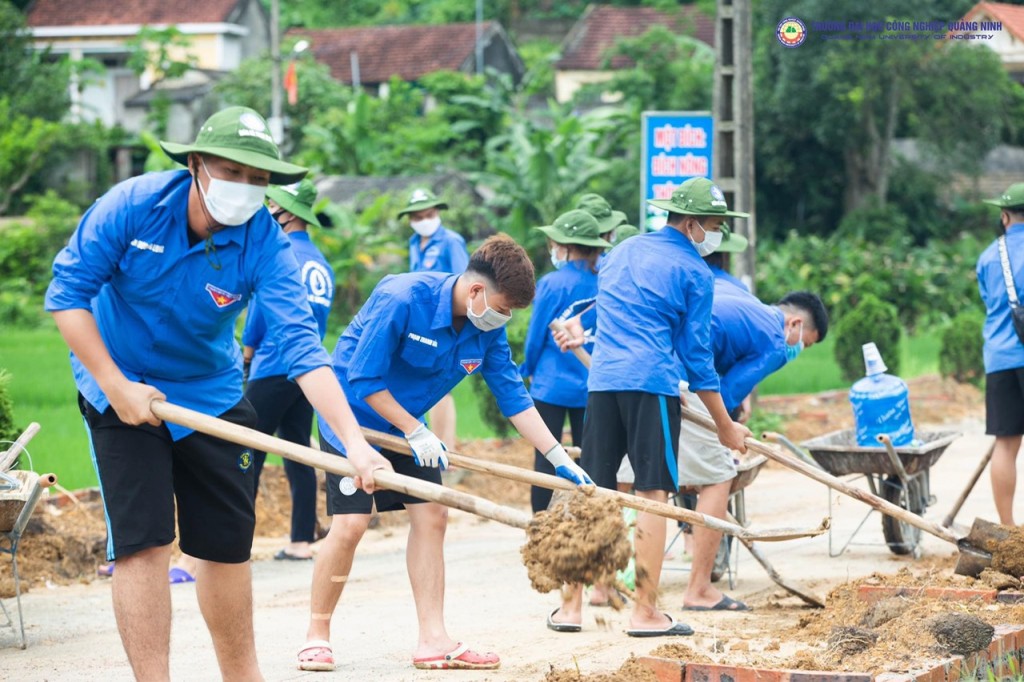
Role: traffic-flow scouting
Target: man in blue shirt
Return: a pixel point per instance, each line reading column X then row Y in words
column 653, row 313
column 435, row 248
column 719, row 260
column 1004, row 350
column 280, row 405
column 750, row 340
column 414, row 340
column 146, row 295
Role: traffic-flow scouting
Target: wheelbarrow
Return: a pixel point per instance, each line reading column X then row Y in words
column 900, row 476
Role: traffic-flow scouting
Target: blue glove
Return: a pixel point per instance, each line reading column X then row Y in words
column 565, row 467
column 427, row 449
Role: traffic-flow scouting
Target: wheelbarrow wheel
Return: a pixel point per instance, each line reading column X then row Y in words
column 901, row 537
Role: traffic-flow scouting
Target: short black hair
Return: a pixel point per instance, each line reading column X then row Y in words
column 813, row 305
column 675, row 218
column 716, row 259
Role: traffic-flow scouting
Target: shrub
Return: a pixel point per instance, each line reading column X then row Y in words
column 960, row 356
column 8, row 432
column 871, row 320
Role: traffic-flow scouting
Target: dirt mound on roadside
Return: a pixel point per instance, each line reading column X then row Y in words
column 630, row 671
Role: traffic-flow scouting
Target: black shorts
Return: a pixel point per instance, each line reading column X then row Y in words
column 142, row 472
column 1004, row 402
column 358, row 502
column 644, row 425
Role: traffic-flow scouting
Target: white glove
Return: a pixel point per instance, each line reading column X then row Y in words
column 565, row 467
column 427, row 449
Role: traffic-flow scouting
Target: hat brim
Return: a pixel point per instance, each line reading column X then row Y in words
column 736, row 243
column 422, row 206
column 611, row 222
column 291, row 204
column 281, row 172
column 666, row 205
column 554, row 235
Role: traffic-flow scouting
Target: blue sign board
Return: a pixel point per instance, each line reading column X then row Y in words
column 676, row 146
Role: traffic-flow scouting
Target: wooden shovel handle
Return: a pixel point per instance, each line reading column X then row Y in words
column 836, row 484
column 514, row 473
column 337, row 465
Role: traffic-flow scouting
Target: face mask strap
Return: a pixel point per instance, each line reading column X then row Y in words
column 211, row 253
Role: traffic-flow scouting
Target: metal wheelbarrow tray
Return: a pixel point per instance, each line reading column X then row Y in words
column 839, row 454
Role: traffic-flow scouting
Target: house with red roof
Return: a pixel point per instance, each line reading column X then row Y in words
column 1000, row 27
column 591, row 40
column 371, row 55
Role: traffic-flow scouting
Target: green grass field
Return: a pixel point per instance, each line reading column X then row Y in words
column 43, row 391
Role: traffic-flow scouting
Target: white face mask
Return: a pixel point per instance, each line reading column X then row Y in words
column 712, row 240
column 426, row 227
column 231, row 203
column 489, row 320
column 555, row 260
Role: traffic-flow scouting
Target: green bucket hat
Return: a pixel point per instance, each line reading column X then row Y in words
column 732, row 242
column 624, row 232
column 1011, row 198
column 422, row 199
column 575, row 227
column 697, row 196
column 297, row 199
column 240, row 135
column 598, row 206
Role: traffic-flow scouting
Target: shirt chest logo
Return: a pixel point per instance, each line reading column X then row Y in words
column 222, row 298
column 470, row 365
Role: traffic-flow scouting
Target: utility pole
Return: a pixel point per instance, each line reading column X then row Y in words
column 479, row 37
column 276, row 121
column 733, row 109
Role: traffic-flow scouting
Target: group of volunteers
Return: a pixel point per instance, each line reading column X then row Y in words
column 147, row 293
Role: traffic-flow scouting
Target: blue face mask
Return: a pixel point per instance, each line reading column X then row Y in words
column 793, row 350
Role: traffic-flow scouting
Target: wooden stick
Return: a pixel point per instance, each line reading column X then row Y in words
column 756, row 552
column 514, row 473
column 836, row 484
column 337, row 465
column 948, row 521
column 8, row 456
column 581, row 355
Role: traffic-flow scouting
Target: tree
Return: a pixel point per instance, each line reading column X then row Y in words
column 24, row 145
column 34, row 83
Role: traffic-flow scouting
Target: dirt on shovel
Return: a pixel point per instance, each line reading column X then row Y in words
column 578, row 539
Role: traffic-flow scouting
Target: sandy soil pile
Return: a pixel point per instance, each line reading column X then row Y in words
column 630, row 671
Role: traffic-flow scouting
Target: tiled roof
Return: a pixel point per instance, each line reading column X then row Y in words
column 1012, row 16
column 385, row 51
column 113, row 12
column 595, row 33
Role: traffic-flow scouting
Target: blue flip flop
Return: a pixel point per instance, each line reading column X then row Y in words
column 180, row 575
column 727, row 603
column 675, row 629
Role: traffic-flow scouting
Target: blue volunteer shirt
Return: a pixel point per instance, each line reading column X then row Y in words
column 1003, row 349
column 728, row 278
column 559, row 378
column 445, row 251
column 748, row 341
column 165, row 314
column 269, row 356
column 403, row 340
column 654, row 309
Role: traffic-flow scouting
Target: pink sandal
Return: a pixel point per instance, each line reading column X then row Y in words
column 316, row 655
column 459, row 658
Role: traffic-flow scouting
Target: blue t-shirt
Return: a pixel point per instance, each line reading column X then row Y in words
column 269, row 357
column 403, row 340
column 1003, row 349
column 445, row 251
column 165, row 314
column 559, row 378
column 654, row 312
column 724, row 276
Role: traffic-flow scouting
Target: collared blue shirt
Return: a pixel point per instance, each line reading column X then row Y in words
column 559, row 378
column 727, row 277
column 654, row 307
column 165, row 314
column 269, row 357
column 445, row 251
column 1002, row 349
column 402, row 340
column 748, row 341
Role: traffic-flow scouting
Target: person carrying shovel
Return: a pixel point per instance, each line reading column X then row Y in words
column 146, row 295
column 413, row 341
column 654, row 311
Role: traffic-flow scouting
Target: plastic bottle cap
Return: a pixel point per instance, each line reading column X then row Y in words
column 873, row 363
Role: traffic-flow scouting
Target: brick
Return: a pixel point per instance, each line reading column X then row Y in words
column 802, row 676
column 960, row 594
column 1010, row 597
column 875, row 593
column 893, row 677
column 708, row 672
column 665, row 669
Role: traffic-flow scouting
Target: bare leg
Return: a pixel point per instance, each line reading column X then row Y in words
column 571, row 610
column 424, row 558
column 331, row 569
column 713, row 501
column 299, row 549
column 442, row 420
column 225, row 599
column 650, row 552
column 1004, row 476
column 142, row 607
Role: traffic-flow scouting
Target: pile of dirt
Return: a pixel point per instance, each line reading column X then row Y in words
column 274, row 503
column 515, row 452
column 630, row 671
column 578, row 539
column 1008, row 554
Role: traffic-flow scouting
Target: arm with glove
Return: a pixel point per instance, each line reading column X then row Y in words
column 532, row 428
column 428, row 450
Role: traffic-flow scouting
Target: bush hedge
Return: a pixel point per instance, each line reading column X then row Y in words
column 872, row 320
column 960, row 356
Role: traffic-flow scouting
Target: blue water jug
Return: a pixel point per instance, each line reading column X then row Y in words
column 881, row 404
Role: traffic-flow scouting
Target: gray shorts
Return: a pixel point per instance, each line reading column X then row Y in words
column 702, row 459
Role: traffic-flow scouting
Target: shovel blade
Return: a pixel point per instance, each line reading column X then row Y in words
column 976, row 548
column 971, row 560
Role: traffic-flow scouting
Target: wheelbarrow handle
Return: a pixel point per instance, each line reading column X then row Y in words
column 774, row 437
column 8, row 457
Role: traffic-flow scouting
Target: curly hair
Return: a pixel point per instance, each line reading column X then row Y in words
column 507, row 266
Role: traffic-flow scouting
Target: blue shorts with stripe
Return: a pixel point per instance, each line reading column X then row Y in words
column 642, row 426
